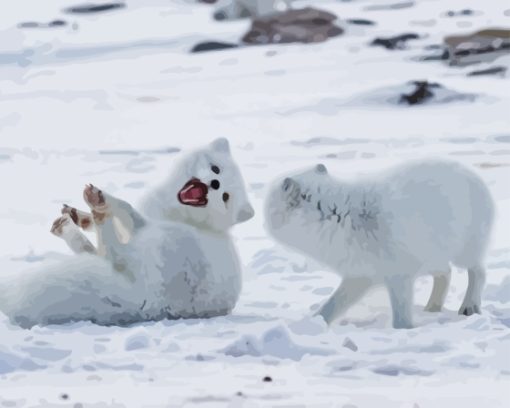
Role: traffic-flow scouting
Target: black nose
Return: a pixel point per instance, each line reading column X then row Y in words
column 215, row 184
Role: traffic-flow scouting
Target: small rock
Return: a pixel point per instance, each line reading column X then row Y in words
column 267, row 379
column 360, row 21
column 489, row 71
column 305, row 25
column 421, row 93
column 395, row 43
column 64, row 396
column 51, row 24
column 460, row 13
column 94, row 8
column 212, row 46
column 348, row 343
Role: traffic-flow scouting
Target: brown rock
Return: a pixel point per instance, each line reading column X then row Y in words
column 481, row 46
column 306, row 25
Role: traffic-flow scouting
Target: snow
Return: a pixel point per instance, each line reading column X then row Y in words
column 114, row 98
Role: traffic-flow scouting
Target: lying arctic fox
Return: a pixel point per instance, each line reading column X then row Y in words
column 179, row 263
column 388, row 229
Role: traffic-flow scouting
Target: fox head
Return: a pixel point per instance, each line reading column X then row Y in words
column 206, row 190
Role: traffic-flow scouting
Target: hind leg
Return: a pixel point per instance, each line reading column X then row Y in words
column 65, row 228
column 439, row 291
column 473, row 299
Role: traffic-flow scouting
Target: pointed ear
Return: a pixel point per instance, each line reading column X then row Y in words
column 220, row 145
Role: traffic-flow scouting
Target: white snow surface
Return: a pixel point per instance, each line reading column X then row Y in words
column 114, row 98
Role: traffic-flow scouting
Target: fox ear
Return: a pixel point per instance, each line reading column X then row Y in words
column 221, row 145
column 321, row 169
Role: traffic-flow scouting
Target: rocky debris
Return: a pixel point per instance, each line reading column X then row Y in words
column 480, row 46
column 422, row 92
column 489, row 71
column 459, row 13
column 360, row 21
column 237, row 9
column 395, row 43
column 51, row 24
column 267, row 379
column 348, row 343
column 90, row 8
column 393, row 6
column 307, row 25
column 212, row 46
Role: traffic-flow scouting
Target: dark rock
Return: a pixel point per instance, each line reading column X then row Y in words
column 267, row 379
column 212, row 46
column 394, row 6
column 360, row 21
column 443, row 56
column 394, row 43
column 481, row 46
column 51, row 24
column 489, row 71
column 421, row 93
column 90, row 8
column 460, row 13
column 306, row 25
column 349, row 344
column 57, row 23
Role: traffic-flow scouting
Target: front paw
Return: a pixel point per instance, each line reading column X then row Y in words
column 469, row 309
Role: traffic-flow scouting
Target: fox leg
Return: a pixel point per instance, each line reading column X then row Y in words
column 439, row 290
column 349, row 292
column 108, row 214
column 65, row 228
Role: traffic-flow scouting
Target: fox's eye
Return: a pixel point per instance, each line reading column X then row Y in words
column 215, row 169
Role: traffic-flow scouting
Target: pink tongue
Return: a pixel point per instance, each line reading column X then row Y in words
column 192, row 194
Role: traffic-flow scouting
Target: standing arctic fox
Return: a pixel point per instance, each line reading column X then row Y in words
column 388, row 229
column 181, row 262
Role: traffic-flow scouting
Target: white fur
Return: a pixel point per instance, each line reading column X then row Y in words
column 235, row 9
column 388, row 229
column 180, row 263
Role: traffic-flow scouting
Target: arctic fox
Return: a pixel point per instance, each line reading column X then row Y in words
column 388, row 229
column 235, row 9
column 178, row 262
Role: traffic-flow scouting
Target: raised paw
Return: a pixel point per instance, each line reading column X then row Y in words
column 62, row 225
column 80, row 218
column 94, row 197
column 468, row 310
column 96, row 201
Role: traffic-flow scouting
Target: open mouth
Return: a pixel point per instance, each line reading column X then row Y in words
column 193, row 193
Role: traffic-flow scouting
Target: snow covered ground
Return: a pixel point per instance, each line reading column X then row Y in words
column 115, row 97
